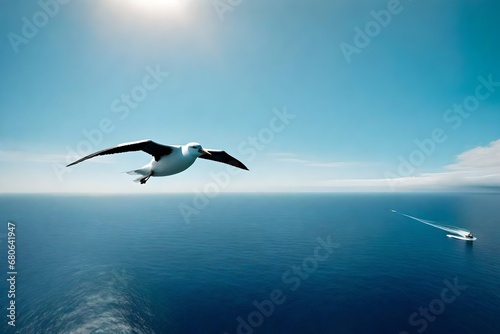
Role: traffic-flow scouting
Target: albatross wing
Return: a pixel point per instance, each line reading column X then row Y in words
column 222, row 156
column 148, row 146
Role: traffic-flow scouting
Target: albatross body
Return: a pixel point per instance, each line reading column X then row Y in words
column 167, row 159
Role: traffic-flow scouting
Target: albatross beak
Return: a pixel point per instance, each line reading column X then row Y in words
column 204, row 151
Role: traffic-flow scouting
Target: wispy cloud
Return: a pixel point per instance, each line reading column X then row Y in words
column 37, row 157
column 313, row 163
column 282, row 154
column 475, row 168
column 24, row 156
column 332, row 164
column 294, row 160
column 479, row 158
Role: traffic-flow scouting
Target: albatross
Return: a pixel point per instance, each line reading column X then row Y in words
column 167, row 159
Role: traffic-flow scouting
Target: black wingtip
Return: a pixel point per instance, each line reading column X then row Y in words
column 239, row 164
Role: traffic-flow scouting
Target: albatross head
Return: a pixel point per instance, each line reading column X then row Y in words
column 196, row 149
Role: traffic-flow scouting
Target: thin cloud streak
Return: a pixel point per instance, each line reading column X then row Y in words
column 282, row 154
column 332, row 164
column 36, row 157
column 313, row 163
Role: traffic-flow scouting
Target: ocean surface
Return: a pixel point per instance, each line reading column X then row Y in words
column 252, row 263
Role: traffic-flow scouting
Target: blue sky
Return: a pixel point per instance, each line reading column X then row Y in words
column 224, row 71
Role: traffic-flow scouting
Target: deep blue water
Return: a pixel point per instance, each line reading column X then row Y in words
column 131, row 264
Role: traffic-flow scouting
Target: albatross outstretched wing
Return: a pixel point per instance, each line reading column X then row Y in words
column 222, row 156
column 148, row 146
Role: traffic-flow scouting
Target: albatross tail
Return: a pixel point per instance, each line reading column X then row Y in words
column 139, row 171
column 136, row 172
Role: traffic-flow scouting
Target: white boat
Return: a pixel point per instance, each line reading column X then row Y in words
column 460, row 237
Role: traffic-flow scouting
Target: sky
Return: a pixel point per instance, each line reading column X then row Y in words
column 313, row 96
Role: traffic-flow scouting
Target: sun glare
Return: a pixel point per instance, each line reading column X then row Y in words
column 157, row 5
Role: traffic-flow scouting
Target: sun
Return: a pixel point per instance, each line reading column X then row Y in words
column 156, row 5
column 171, row 10
column 147, row 13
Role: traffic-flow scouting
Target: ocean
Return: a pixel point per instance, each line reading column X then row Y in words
column 251, row 263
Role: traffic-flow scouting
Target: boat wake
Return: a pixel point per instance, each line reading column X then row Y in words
column 460, row 233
